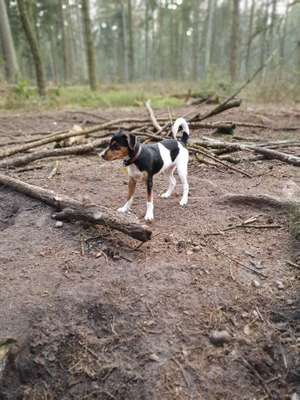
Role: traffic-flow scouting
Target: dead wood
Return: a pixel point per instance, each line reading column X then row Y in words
column 72, row 209
column 61, row 136
column 74, row 150
column 226, row 105
column 268, row 153
column 152, row 115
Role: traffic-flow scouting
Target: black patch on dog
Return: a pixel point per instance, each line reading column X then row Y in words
column 172, row 146
column 150, row 159
column 184, row 138
column 119, row 138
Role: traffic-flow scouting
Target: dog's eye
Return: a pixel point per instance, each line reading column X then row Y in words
column 115, row 146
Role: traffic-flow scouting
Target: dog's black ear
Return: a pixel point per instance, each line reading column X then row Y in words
column 132, row 140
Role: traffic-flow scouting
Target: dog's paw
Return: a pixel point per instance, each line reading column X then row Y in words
column 165, row 195
column 183, row 202
column 149, row 217
column 123, row 210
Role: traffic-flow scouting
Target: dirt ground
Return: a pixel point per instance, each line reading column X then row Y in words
column 93, row 315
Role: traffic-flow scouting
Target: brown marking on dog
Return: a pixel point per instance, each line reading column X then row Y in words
column 150, row 197
column 117, row 154
column 131, row 188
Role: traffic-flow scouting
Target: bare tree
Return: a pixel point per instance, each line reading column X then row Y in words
column 209, row 33
column 10, row 58
column 34, row 47
column 235, row 40
column 249, row 36
column 130, row 42
column 90, row 50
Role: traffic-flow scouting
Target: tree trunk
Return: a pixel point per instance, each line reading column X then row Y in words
column 209, row 34
column 235, row 40
column 124, row 42
column 64, row 43
column 90, row 50
column 263, row 42
column 249, row 37
column 10, row 58
column 34, row 47
column 146, row 40
column 130, row 41
column 196, row 37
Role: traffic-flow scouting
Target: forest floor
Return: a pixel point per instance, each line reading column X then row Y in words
column 96, row 316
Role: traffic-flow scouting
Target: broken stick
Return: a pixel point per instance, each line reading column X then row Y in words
column 71, row 209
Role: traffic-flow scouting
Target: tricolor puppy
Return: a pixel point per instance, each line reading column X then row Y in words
column 146, row 160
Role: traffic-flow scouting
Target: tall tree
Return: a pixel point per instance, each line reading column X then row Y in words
column 89, row 45
column 249, row 36
column 10, row 58
column 130, row 41
column 235, row 40
column 209, row 33
column 64, row 40
column 34, row 47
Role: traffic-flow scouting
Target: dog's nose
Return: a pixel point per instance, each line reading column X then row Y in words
column 102, row 154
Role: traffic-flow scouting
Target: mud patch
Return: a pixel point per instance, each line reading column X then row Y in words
column 70, row 355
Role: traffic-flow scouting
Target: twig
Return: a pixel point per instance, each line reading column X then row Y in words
column 152, row 116
column 292, row 264
column 208, row 155
column 246, row 267
column 182, row 370
column 271, row 226
column 258, row 376
column 54, row 170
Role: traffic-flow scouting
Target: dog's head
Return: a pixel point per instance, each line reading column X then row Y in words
column 122, row 145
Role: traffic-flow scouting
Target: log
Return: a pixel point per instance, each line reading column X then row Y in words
column 26, row 159
column 268, row 153
column 60, row 136
column 76, row 210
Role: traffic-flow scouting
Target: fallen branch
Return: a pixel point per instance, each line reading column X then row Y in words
column 60, row 136
column 268, row 153
column 26, row 159
column 75, row 210
column 152, row 116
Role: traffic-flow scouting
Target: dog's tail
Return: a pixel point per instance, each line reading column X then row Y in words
column 181, row 124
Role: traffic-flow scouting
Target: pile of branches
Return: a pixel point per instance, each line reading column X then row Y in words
column 148, row 129
column 154, row 129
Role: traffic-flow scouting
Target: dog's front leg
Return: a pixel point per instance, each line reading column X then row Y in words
column 149, row 213
column 131, row 190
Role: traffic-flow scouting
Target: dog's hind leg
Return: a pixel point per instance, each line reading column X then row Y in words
column 172, row 184
column 182, row 168
column 131, row 190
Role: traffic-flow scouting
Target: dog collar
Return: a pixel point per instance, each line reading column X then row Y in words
column 134, row 158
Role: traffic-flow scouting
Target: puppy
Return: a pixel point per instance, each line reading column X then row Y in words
column 147, row 160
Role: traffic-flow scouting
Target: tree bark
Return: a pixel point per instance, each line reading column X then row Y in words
column 131, row 69
column 235, row 40
column 34, row 47
column 10, row 58
column 90, row 50
column 65, row 50
column 209, row 34
column 249, row 36
column 73, row 150
column 72, row 209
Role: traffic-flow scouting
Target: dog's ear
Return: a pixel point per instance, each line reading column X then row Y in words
column 132, row 140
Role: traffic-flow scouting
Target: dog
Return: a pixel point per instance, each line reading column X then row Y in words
column 147, row 160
